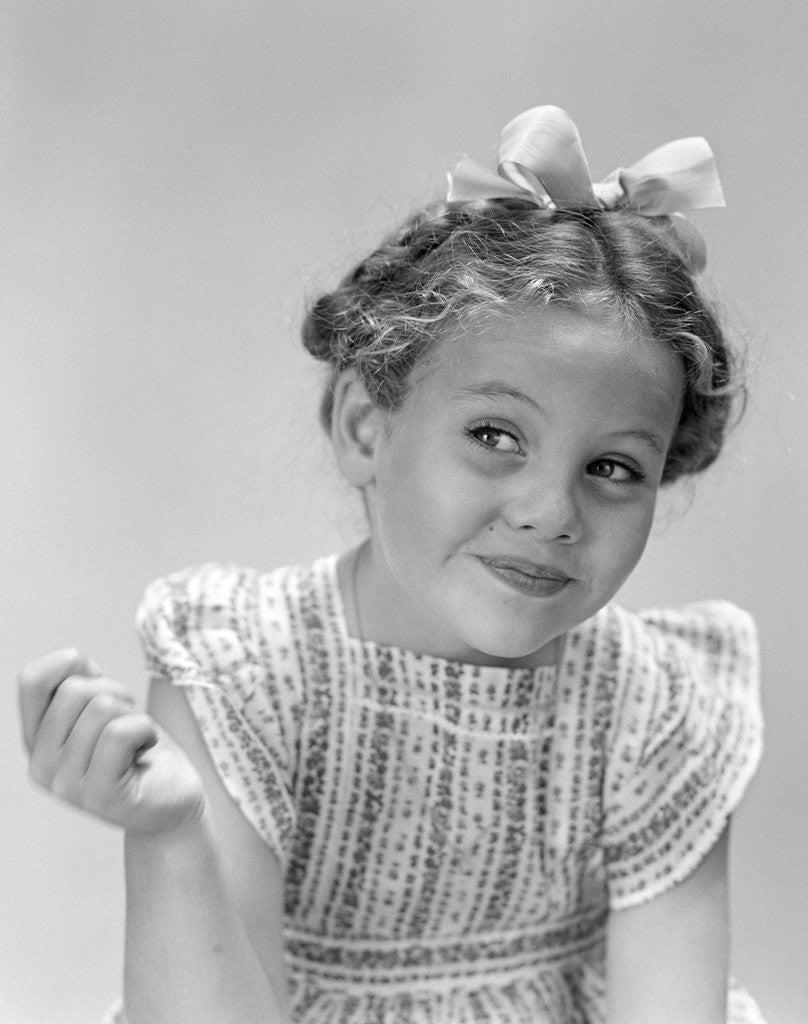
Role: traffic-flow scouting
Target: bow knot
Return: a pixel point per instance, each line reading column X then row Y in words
column 542, row 160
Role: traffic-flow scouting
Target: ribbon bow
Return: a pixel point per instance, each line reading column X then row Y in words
column 541, row 160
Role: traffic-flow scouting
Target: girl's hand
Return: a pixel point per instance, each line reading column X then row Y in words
column 90, row 746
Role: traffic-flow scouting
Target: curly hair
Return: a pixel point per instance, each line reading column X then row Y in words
column 455, row 261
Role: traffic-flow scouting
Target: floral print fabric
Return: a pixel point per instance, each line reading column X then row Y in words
column 455, row 836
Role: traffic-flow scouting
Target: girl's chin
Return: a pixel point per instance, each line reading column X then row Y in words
column 514, row 654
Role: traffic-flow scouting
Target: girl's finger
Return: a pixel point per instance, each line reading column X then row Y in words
column 118, row 747
column 66, row 705
column 39, row 680
column 77, row 750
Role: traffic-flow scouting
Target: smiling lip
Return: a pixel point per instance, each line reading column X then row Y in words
column 527, row 577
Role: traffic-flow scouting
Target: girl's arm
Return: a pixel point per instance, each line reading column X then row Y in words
column 204, row 924
column 204, row 908
column 667, row 960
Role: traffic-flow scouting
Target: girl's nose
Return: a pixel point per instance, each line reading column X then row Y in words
column 549, row 507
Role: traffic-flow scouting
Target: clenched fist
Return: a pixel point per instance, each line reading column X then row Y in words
column 91, row 746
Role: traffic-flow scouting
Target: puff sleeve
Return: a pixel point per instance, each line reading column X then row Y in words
column 685, row 739
column 217, row 631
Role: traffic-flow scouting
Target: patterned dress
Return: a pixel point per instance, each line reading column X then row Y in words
column 454, row 836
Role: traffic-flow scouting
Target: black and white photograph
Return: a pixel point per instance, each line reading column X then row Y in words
column 405, row 414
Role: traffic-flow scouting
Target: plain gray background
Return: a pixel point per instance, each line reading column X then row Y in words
column 176, row 179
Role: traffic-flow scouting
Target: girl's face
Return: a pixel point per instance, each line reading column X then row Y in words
column 513, row 491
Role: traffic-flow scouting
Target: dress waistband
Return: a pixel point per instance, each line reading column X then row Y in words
column 386, row 962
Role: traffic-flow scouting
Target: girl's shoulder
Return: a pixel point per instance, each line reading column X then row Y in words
column 668, row 657
column 683, row 664
column 216, row 614
column 716, row 638
column 213, row 582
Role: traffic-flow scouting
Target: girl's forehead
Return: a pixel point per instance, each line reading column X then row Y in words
column 554, row 340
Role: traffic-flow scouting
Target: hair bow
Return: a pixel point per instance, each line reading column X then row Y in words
column 542, row 160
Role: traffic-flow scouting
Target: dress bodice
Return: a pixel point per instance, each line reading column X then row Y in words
column 455, row 836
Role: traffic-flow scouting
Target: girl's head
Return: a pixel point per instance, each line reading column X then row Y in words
column 510, row 384
column 455, row 262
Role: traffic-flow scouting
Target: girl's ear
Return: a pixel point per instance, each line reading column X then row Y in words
column 357, row 427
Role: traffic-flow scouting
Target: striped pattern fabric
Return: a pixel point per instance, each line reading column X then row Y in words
column 455, row 836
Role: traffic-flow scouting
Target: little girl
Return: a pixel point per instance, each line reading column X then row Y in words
column 442, row 779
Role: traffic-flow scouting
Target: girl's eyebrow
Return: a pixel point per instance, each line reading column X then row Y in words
column 647, row 437
column 500, row 389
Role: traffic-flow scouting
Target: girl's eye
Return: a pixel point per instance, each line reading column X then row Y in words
column 495, row 439
column 616, row 471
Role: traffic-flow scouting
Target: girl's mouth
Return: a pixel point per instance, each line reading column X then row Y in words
column 526, row 577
